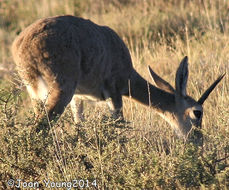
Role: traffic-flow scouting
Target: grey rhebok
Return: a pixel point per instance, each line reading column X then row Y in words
column 66, row 59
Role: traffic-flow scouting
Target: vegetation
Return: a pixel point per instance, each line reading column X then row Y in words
column 143, row 152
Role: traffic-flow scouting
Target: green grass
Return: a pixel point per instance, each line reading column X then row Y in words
column 142, row 153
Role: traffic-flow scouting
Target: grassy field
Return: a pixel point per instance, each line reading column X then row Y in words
column 142, row 153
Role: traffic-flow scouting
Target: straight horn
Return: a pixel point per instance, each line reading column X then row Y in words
column 210, row 89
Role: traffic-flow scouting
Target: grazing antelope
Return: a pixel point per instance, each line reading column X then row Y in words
column 66, row 59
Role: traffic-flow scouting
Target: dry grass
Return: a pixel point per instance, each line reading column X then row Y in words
column 142, row 154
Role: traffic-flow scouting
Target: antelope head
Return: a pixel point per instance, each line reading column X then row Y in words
column 187, row 113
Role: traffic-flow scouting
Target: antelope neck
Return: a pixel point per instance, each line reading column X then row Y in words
column 149, row 95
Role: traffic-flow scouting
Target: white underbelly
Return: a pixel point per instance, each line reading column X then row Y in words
column 87, row 97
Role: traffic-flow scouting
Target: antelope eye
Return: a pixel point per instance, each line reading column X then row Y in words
column 197, row 113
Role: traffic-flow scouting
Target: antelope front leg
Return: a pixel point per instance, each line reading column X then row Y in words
column 116, row 106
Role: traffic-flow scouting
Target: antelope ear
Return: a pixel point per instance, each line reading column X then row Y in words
column 182, row 77
column 210, row 89
column 161, row 83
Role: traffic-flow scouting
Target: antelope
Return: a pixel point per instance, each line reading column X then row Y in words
column 66, row 59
